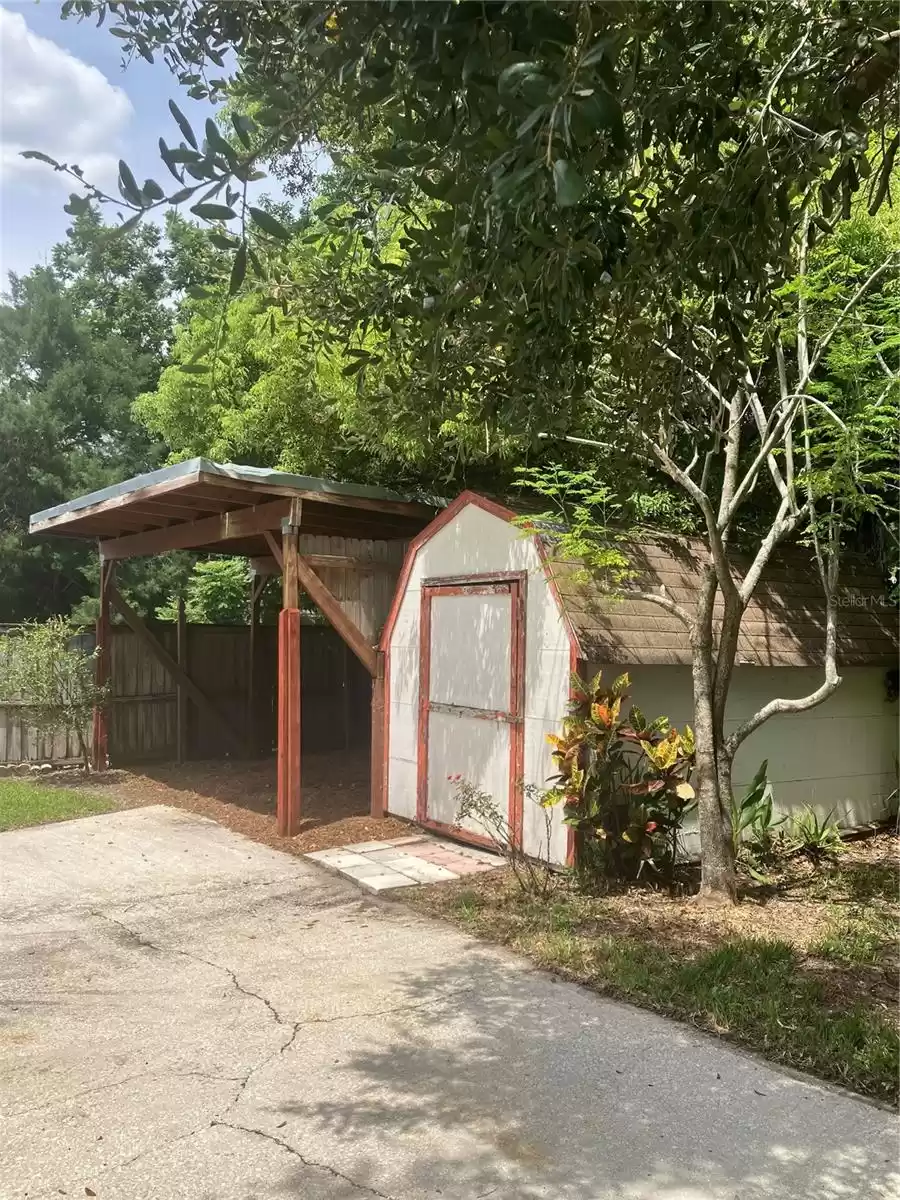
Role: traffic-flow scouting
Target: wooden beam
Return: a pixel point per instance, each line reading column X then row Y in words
column 376, row 770
column 100, row 721
column 404, row 508
column 272, row 543
column 331, row 607
column 159, row 652
column 288, row 804
column 238, row 523
column 290, row 589
column 264, row 565
column 289, row 798
column 181, row 709
column 256, row 586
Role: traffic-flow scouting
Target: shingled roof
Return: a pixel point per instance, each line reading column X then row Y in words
column 783, row 626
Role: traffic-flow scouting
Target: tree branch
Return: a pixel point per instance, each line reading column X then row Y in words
column 791, row 402
column 663, row 601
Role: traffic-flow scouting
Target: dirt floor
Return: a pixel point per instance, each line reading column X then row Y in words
column 241, row 796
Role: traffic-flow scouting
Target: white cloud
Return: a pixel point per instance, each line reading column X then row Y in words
column 52, row 101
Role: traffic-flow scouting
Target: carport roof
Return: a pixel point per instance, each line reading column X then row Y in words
column 224, row 508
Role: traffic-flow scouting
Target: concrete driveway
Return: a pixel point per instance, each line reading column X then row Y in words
column 189, row 1014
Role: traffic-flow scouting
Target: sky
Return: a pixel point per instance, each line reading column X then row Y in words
column 63, row 90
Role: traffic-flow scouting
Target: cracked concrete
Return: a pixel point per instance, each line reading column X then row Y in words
column 186, row 1014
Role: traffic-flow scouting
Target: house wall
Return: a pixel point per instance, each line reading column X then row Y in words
column 476, row 542
column 838, row 757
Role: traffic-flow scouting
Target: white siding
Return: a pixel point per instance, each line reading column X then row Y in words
column 478, row 543
column 838, row 757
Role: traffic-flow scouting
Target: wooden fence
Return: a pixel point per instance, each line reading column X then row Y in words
column 143, row 702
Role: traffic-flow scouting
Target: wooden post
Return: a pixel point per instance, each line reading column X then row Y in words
column 346, row 696
column 376, row 780
column 181, row 709
column 288, row 803
column 255, row 589
column 99, row 724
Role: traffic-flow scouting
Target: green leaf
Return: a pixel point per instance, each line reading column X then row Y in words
column 568, row 183
column 213, row 212
column 198, row 292
column 128, row 184
column 552, row 27
column 269, row 224
column 224, row 241
column 40, row 156
column 77, row 205
column 513, row 77
column 183, row 124
column 216, row 141
column 194, row 368
column 238, row 269
column 244, row 127
column 152, row 190
column 354, row 367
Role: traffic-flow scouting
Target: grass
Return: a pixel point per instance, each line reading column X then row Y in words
column 821, row 998
column 25, row 803
column 861, row 935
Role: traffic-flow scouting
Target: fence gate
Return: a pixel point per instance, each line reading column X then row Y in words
column 471, row 698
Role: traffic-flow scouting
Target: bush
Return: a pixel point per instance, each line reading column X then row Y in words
column 624, row 784
column 48, row 671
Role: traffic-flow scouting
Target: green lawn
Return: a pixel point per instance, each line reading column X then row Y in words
column 25, row 803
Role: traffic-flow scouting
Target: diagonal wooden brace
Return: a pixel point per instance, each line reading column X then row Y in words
column 330, row 606
column 178, row 674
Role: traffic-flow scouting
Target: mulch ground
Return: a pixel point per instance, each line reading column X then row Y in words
column 241, row 796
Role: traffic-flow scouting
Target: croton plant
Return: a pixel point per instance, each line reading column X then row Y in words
column 624, row 782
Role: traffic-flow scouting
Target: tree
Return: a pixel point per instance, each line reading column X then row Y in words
column 79, row 339
column 47, row 669
column 602, row 205
column 216, row 593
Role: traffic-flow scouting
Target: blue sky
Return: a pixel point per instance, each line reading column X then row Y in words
column 63, row 90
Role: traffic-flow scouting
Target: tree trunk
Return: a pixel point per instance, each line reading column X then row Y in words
column 717, row 881
column 85, row 749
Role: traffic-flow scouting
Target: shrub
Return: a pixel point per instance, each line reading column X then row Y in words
column 624, row 783
column 754, row 826
column 819, row 838
column 47, row 669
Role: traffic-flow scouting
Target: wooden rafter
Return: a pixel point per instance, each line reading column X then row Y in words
column 264, row 565
column 159, row 652
column 238, row 523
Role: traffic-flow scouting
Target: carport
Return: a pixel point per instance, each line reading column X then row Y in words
column 278, row 521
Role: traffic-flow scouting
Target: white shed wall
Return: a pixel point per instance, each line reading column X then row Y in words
column 477, row 543
column 837, row 758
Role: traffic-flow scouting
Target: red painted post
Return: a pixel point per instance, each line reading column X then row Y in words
column 99, row 724
column 289, row 722
column 376, row 778
column 288, row 802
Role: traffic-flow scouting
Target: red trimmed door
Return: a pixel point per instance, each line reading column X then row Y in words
column 471, row 698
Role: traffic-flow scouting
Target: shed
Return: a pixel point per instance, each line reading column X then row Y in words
column 341, row 543
column 484, row 631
